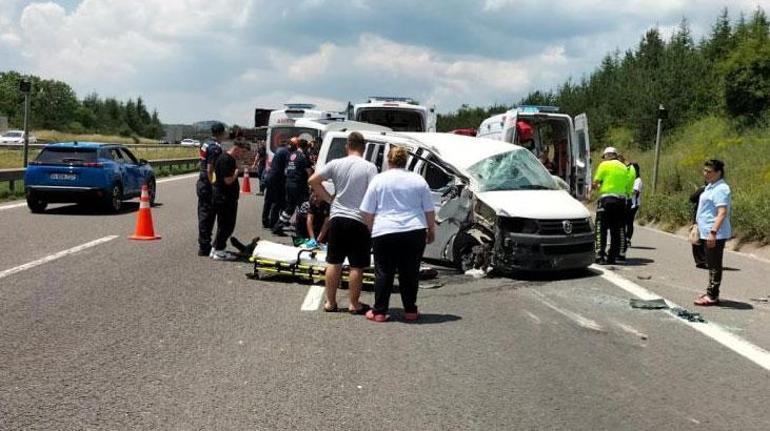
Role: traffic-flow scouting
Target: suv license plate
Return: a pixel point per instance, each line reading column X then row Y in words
column 64, row 177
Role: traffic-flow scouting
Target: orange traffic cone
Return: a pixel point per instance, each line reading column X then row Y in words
column 144, row 230
column 246, row 186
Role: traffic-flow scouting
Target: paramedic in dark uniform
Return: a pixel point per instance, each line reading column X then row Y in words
column 226, row 193
column 297, row 172
column 210, row 150
column 275, row 191
column 611, row 180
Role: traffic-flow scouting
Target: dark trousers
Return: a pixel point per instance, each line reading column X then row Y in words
column 611, row 219
column 397, row 252
column 206, row 214
column 630, row 217
column 714, row 262
column 275, row 199
column 295, row 196
column 699, row 253
column 227, row 212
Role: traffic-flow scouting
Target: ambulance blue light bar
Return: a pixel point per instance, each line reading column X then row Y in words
column 534, row 109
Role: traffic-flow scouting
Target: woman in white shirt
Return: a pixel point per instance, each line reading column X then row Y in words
column 398, row 209
column 636, row 200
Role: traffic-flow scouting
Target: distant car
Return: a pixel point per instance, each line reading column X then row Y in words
column 86, row 172
column 16, row 137
column 190, row 142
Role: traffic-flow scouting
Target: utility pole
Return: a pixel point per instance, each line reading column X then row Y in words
column 662, row 115
column 25, row 86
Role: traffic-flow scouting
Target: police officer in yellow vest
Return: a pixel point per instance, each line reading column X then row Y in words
column 612, row 183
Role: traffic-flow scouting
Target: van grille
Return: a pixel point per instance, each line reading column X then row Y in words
column 556, row 227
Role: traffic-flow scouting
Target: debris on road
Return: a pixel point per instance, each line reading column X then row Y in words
column 688, row 315
column 644, row 277
column 431, row 285
column 765, row 299
column 476, row 273
column 649, row 304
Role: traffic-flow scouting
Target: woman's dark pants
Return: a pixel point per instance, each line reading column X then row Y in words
column 714, row 263
column 397, row 252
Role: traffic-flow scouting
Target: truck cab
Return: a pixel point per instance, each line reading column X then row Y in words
column 401, row 114
column 559, row 141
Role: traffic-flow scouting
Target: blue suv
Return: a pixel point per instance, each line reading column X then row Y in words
column 86, row 172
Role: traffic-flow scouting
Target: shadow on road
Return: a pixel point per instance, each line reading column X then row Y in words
column 425, row 319
column 734, row 305
column 93, row 210
column 636, row 261
column 575, row 274
column 641, row 247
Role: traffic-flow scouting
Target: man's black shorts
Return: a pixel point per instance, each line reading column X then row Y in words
column 349, row 238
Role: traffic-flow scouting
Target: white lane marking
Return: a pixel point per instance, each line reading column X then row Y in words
column 580, row 320
column 177, row 178
column 7, row 207
column 533, row 317
column 681, row 238
column 631, row 330
column 712, row 330
column 313, row 298
column 55, row 256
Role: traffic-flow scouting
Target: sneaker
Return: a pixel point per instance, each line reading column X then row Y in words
column 223, row 255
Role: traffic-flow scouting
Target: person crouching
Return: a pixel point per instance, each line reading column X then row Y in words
column 398, row 209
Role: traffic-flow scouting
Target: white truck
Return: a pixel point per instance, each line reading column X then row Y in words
column 401, row 114
column 560, row 142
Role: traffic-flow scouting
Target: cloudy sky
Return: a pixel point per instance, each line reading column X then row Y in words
column 218, row 59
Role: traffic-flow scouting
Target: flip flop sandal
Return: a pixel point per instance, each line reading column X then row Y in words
column 334, row 309
column 362, row 309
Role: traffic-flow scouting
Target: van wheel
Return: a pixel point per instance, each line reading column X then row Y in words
column 462, row 252
column 114, row 201
column 36, row 205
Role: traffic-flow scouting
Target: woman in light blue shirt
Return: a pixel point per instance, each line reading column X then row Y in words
column 713, row 219
column 398, row 209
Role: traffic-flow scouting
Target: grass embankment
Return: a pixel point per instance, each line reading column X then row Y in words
column 747, row 165
column 56, row 136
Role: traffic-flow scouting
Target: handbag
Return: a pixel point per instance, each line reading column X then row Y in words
column 694, row 236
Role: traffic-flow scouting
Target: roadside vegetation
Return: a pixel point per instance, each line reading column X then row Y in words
column 717, row 93
column 11, row 158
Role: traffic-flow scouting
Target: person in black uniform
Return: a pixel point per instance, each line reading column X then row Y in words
column 297, row 172
column 699, row 249
column 226, row 192
column 209, row 152
column 275, row 192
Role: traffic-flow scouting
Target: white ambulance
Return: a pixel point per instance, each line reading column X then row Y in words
column 560, row 142
column 282, row 124
column 401, row 114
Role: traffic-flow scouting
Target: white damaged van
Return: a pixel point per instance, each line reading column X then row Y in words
column 496, row 205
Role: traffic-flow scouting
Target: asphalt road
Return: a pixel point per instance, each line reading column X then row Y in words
column 146, row 335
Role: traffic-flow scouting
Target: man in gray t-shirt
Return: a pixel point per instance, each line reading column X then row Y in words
column 348, row 235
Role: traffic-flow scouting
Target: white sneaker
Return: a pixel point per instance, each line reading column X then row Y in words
column 211, row 253
column 223, row 255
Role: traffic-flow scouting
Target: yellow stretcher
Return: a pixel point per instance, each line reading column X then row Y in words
column 273, row 259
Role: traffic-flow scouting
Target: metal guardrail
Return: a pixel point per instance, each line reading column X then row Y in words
column 11, row 176
column 41, row 144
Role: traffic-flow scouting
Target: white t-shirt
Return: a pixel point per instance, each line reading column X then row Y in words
column 399, row 200
column 638, row 187
column 351, row 176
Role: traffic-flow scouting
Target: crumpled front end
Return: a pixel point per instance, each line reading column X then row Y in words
column 523, row 244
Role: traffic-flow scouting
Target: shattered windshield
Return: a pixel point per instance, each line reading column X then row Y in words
column 514, row 170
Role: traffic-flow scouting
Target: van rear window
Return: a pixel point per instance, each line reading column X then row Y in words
column 398, row 120
column 66, row 155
